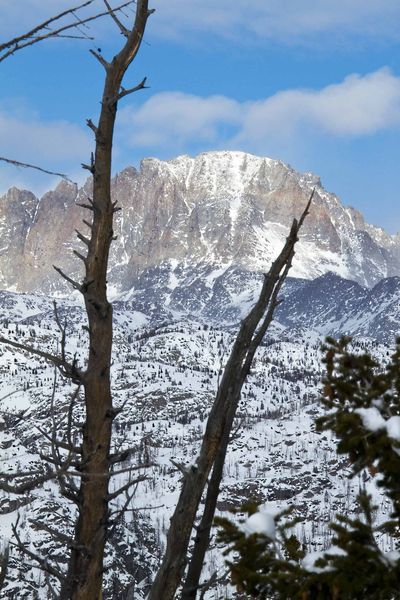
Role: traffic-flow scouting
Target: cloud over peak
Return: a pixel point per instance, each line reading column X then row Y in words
column 359, row 105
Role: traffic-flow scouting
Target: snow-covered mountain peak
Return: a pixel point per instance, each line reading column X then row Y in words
column 223, row 208
column 222, row 173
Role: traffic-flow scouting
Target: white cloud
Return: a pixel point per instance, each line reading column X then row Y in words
column 55, row 145
column 174, row 119
column 174, row 122
column 284, row 20
column 358, row 106
column 289, row 21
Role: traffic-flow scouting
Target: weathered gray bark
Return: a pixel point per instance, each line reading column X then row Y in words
column 92, row 461
column 86, row 565
column 203, row 530
column 216, row 437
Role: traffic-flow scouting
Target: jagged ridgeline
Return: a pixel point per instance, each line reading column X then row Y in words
column 194, row 236
column 217, row 210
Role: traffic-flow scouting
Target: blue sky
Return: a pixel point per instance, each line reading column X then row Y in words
column 315, row 83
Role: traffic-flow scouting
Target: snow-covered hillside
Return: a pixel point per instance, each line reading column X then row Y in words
column 166, row 368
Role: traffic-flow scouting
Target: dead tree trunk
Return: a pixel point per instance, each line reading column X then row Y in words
column 85, row 574
column 91, row 461
column 203, row 530
column 216, row 437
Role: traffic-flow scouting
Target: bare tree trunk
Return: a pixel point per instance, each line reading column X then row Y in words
column 218, row 428
column 203, row 530
column 86, row 564
column 4, row 565
column 92, row 460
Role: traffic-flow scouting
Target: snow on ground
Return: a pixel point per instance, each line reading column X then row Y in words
column 166, row 376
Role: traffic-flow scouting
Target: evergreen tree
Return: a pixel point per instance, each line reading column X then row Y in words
column 266, row 558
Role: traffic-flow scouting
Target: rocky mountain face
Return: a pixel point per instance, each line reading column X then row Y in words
column 334, row 306
column 327, row 305
column 219, row 210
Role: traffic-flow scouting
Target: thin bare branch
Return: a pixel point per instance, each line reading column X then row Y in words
column 123, row 455
column 58, row 443
column 181, row 467
column 80, row 256
column 132, row 469
column 64, row 539
column 55, row 360
column 27, row 486
column 121, row 512
column 124, row 30
column 103, row 63
column 28, row 39
column 42, row 562
column 125, row 92
column 91, row 125
column 126, row 487
column 17, row 163
column 63, row 330
column 75, row 284
column 45, row 25
column 83, row 205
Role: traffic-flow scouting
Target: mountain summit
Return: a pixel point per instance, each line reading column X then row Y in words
column 220, row 209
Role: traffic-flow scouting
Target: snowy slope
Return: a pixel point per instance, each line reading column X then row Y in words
column 165, row 372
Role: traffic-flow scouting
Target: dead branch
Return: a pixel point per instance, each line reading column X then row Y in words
column 65, row 368
column 75, row 284
column 125, row 92
column 63, row 330
column 119, row 514
column 50, row 357
column 106, row 66
column 126, row 486
column 17, row 163
column 42, row 562
column 123, row 455
column 91, row 168
column 180, row 466
column 61, row 537
column 27, row 486
column 80, row 236
column 80, row 256
column 91, row 125
column 87, row 223
column 45, row 25
column 35, row 36
column 124, row 30
column 56, row 442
